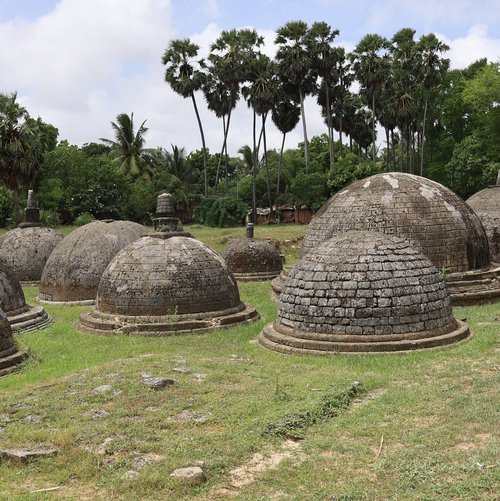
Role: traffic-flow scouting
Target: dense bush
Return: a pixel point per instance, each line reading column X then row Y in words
column 220, row 211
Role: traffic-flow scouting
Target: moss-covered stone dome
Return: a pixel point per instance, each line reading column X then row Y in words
column 363, row 291
column 161, row 285
column 73, row 270
column 26, row 250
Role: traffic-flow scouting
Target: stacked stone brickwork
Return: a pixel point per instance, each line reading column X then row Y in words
column 362, row 292
column 252, row 259
column 486, row 204
column 10, row 355
column 73, row 270
column 20, row 315
column 163, row 284
column 434, row 218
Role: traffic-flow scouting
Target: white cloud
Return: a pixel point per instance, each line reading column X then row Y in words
column 475, row 45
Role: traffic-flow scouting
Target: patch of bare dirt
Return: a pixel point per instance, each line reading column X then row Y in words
column 258, row 464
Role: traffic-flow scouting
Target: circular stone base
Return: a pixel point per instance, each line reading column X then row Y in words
column 34, row 318
column 291, row 341
column 83, row 302
column 97, row 322
column 474, row 287
column 11, row 359
column 256, row 277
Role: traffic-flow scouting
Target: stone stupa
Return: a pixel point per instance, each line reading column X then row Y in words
column 26, row 249
column 164, row 284
column 433, row 218
column 486, row 204
column 73, row 270
column 10, row 355
column 363, row 292
column 252, row 259
column 21, row 316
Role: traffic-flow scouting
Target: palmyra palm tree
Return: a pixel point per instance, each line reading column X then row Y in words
column 185, row 79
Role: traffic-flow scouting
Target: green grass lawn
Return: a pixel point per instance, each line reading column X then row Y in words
column 424, row 427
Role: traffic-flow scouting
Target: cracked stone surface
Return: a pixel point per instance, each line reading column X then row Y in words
column 436, row 220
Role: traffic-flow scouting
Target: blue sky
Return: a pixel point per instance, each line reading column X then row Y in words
column 78, row 63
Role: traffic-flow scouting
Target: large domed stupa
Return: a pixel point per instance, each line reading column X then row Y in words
column 10, row 355
column 73, row 270
column 252, row 259
column 486, row 204
column 26, row 249
column 20, row 315
column 361, row 292
column 163, row 284
column 433, row 218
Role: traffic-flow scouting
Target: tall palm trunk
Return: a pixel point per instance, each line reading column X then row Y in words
column 388, row 158
column 254, row 173
column 330, row 127
column 280, row 165
column 423, row 134
column 340, row 135
column 225, row 127
column 393, row 150
column 304, row 127
column 264, row 116
column 373, row 126
column 205, row 169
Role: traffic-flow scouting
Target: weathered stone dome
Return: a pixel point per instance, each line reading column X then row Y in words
column 27, row 249
column 74, row 268
column 435, row 219
column 486, row 204
column 10, row 355
column 20, row 315
column 251, row 259
column 363, row 291
column 160, row 285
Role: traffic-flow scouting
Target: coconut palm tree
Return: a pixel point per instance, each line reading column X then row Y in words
column 371, row 65
column 127, row 149
column 186, row 76
column 294, row 66
column 21, row 146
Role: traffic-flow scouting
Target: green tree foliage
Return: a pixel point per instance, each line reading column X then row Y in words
column 310, row 189
column 127, row 149
column 220, row 211
column 349, row 168
column 6, row 205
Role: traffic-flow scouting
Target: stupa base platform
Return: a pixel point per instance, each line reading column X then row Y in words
column 278, row 283
column 11, row 360
column 82, row 302
column 97, row 322
column 294, row 342
column 256, row 277
column 30, row 319
column 474, row 287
